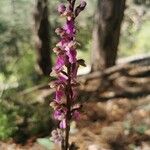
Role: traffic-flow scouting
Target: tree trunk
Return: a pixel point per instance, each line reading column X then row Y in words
column 106, row 33
column 42, row 36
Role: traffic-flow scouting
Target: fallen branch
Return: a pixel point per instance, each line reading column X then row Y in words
column 105, row 73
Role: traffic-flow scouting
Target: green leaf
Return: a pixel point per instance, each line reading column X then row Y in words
column 141, row 129
column 45, row 142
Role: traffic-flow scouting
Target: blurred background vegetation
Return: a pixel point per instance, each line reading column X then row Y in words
column 18, row 59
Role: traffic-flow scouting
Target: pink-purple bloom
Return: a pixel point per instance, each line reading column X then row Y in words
column 62, row 124
column 59, row 95
column 65, row 70
column 60, row 62
column 72, row 55
column 61, row 8
column 59, row 114
column 57, row 136
column 76, row 115
column 69, row 27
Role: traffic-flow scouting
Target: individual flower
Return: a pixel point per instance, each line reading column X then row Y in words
column 69, row 28
column 76, row 115
column 62, row 78
column 68, row 12
column 61, row 8
column 59, row 114
column 60, row 62
column 57, row 136
column 72, row 53
column 57, row 50
column 71, row 45
column 58, row 95
column 62, row 124
column 62, row 44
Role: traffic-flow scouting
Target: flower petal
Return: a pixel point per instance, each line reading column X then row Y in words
column 62, row 124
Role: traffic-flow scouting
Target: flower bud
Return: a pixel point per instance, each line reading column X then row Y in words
column 57, row 50
column 52, row 85
column 68, row 11
column 59, row 31
column 54, row 105
column 80, row 8
column 83, row 4
column 61, row 8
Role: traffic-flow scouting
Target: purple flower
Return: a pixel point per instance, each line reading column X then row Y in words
column 62, row 78
column 60, row 62
column 70, row 28
column 62, row 44
column 59, row 114
column 57, row 136
column 76, row 115
column 68, row 11
column 82, row 4
column 62, row 124
column 58, row 96
column 61, row 8
column 72, row 55
column 60, row 31
column 60, row 82
column 70, row 45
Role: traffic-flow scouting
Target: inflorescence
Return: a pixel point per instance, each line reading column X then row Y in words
column 65, row 105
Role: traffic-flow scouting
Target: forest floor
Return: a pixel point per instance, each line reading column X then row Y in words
column 116, row 112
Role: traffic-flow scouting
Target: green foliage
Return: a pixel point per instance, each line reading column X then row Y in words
column 141, row 128
column 23, row 116
column 7, row 124
column 135, row 29
column 138, row 128
column 15, row 37
column 142, row 2
column 45, row 142
column 142, row 44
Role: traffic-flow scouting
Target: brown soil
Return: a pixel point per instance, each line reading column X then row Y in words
column 116, row 112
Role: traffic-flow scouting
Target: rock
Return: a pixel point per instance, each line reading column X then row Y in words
column 94, row 147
